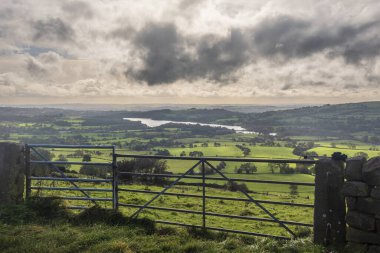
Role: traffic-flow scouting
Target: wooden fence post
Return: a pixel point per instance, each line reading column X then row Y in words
column 330, row 211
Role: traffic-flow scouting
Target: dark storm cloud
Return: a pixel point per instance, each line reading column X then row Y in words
column 293, row 38
column 164, row 58
column 167, row 58
column 53, row 29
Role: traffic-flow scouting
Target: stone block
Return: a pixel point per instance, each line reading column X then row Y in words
column 375, row 192
column 361, row 221
column 355, row 189
column 351, row 203
column 368, row 205
column 354, row 166
column 359, row 236
column 373, row 249
column 355, row 248
column 371, row 171
column 378, row 225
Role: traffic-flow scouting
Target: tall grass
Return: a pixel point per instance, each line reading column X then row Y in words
column 43, row 225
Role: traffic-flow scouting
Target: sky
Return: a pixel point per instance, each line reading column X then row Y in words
column 189, row 51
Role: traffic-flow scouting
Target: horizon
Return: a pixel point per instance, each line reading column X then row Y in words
column 242, row 108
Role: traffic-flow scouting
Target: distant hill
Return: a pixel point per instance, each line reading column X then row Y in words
column 356, row 119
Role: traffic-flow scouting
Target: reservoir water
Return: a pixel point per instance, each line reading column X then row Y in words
column 156, row 123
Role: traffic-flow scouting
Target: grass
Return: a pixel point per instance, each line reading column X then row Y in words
column 99, row 230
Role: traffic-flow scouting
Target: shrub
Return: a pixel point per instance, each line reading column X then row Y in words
column 49, row 207
column 97, row 214
column 232, row 186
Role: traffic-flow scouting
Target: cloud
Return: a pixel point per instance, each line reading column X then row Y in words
column 203, row 48
column 293, row 37
column 168, row 56
column 78, row 9
column 52, row 29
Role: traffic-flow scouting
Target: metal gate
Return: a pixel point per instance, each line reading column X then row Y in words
column 113, row 186
column 205, row 161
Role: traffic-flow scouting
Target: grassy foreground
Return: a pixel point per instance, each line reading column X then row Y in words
column 44, row 226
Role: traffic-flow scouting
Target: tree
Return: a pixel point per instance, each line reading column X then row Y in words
column 248, row 168
column 149, row 166
column 302, row 147
column 233, row 186
column 183, row 153
column 208, row 170
column 285, row 168
column 163, row 152
column 246, row 151
column 362, row 154
column 302, row 168
column 221, row 165
column 311, row 154
column 196, row 153
column 272, row 167
column 96, row 171
column 41, row 170
column 293, row 189
column 62, row 158
column 86, row 158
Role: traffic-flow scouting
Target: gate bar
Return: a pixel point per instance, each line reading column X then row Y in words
column 70, row 146
column 220, row 179
column 71, row 189
column 72, row 179
column 217, row 214
column 219, row 198
column 224, row 230
column 73, row 163
column 219, row 159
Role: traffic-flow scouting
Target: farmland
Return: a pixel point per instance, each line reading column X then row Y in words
column 58, row 126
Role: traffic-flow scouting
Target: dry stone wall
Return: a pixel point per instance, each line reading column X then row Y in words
column 362, row 192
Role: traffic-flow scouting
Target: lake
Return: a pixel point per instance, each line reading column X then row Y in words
column 156, row 123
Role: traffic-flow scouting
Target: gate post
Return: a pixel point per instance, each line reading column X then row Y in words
column 330, row 210
column 115, row 181
column 11, row 173
column 203, row 195
column 28, row 182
